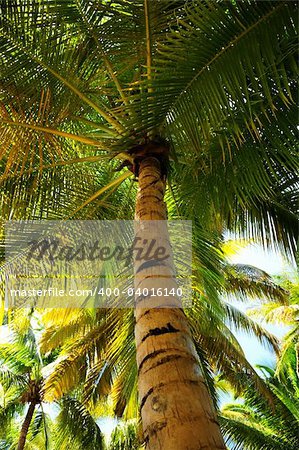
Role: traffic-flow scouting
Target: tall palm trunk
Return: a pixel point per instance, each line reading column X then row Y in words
column 176, row 410
column 25, row 426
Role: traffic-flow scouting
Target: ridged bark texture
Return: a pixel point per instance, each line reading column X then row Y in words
column 176, row 410
column 25, row 426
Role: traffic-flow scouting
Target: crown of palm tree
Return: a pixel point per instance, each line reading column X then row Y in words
column 82, row 83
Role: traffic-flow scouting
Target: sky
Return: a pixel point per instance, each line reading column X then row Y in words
column 272, row 262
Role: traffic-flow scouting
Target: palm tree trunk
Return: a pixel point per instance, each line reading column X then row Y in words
column 176, row 410
column 25, row 426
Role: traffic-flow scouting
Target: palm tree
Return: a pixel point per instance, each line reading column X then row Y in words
column 21, row 377
column 213, row 82
column 22, row 396
column 287, row 314
column 256, row 424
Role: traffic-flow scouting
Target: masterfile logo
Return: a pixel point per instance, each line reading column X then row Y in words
column 97, row 263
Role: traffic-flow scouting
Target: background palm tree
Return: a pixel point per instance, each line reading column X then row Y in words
column 287, row 314
column 85, row 82
column 254, row 423
column 24, row 423
column 21, row 380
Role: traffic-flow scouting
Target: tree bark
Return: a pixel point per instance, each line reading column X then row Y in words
column 25, row 426
column 176, row 410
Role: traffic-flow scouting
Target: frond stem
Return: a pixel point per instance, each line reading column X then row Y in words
column 148, row 41
column 55, row 132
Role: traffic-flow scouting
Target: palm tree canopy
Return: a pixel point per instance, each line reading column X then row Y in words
column 83, row 82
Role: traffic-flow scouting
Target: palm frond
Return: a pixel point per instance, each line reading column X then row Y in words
column 76, row 427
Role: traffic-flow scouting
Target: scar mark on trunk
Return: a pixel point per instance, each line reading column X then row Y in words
column 149, row 264
column 161, row 385
column 158, row 331
column 150, row 356
column 146, row 397
column 165, row 360
column 153, row 430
